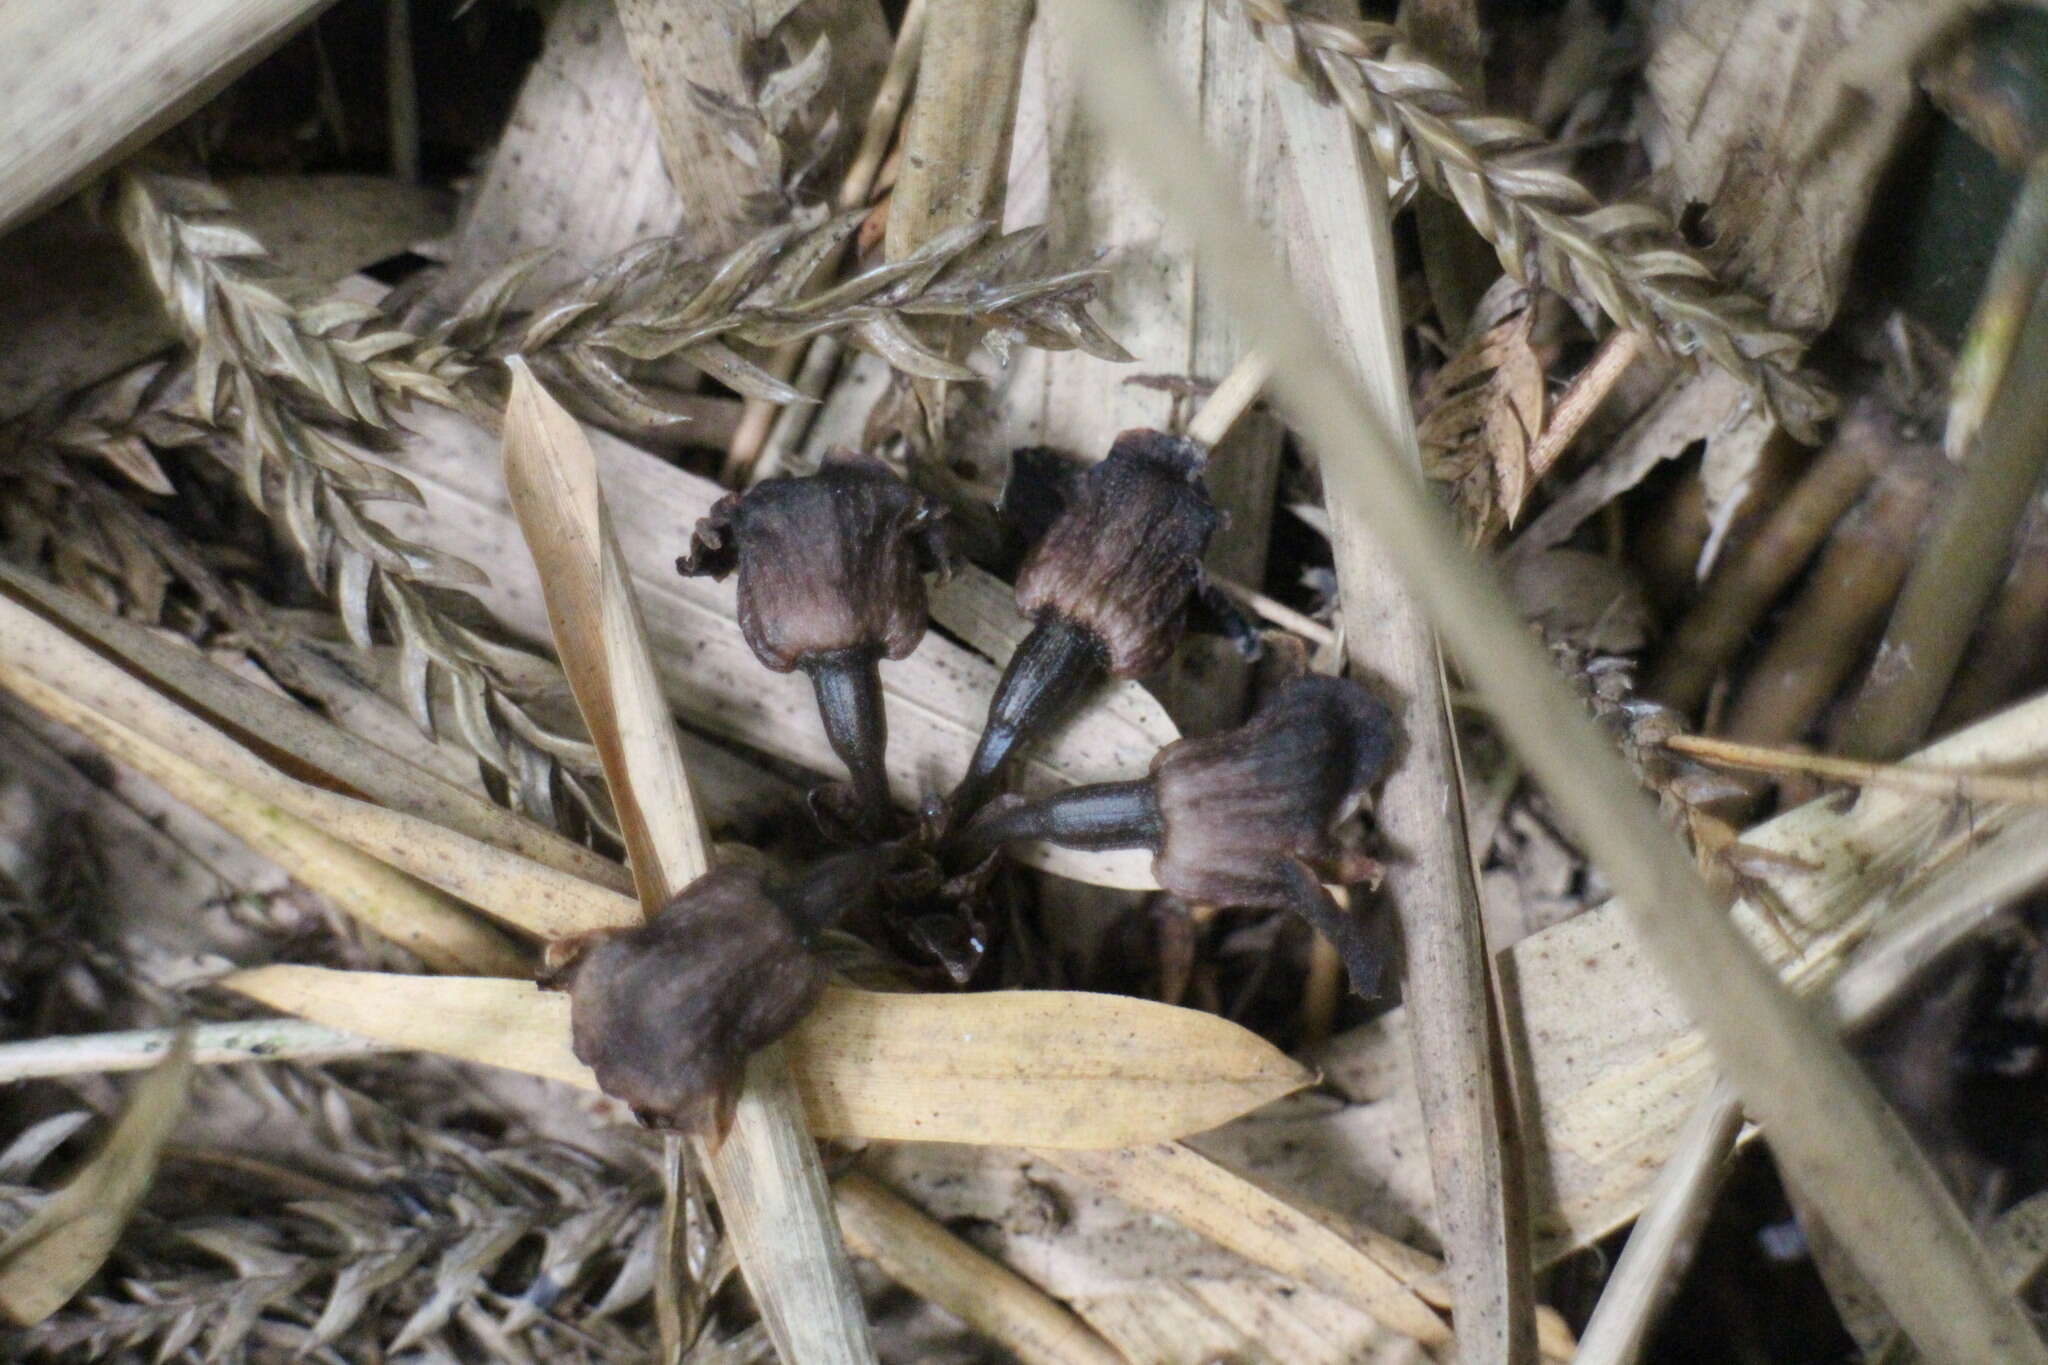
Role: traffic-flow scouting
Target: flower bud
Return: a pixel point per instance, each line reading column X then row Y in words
column 831, row 580
column 667, row 1013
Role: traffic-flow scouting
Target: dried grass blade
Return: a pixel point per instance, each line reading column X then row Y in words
column 276, row 729
column 1460, row 1069
column 1834, row 1135
column 766, row 1174
column 70, row 1237
column 1040, row 1069
column 919, row 1254
column 601, row 639
column 80, row 88
column 440, row 931
column 1376, row 1273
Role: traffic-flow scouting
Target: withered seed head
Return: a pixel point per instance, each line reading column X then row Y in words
column 1124, row 556
column 667, row 1013
column 829, row 562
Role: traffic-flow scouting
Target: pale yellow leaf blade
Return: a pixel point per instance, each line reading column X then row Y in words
column 1030, row 1068
column 601, row 638
column 767, row 1177
column 168, row 693
column 71, row 1236
column 439, row 930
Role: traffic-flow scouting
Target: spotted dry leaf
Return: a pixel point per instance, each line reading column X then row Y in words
column 1481, row 414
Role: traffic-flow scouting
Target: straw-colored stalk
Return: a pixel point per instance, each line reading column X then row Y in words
column 1960, row 565
column 766, row 1174
column 1832, row 1133
column 1828, row 628
column 1748, row 580
column 1459, row 1067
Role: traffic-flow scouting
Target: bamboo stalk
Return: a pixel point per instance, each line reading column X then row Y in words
column 2010, row 647
column 1830, row 625
column 1832, row 1133
column 1746, row 583
column 1949, row 786
column 1959, row 566
column 1661, row 1244
column 2009, row 292
column 248, row 1040
column 83, row 85
column 1459, row 1065
column 956, row 155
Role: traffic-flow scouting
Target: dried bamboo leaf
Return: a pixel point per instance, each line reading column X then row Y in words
column 1832, row 1133
column 1025, row 1068
column 919, row 1254
column 69, row 1238
column 766, row 1174
column 158, row 682
column 599, row 634
column 438, row 930
column 1375, row 1272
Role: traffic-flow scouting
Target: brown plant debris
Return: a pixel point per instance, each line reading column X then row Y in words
column 1626, row 258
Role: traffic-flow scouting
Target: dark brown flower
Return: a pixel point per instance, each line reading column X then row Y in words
column 831, row 580
column 667, row 1013
column 1108, row 585
column 1125, row 554
column 1244, row 818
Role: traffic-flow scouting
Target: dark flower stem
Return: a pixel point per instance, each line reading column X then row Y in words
column 849, row 688
column 1105, row 815
column 1058, row 663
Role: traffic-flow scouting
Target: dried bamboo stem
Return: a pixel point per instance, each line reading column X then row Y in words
column 1279, row 613
column 1230, row 399
column 956, row 152
column 249, row 1040
column 1959, row 566
column 145, row 63
column 1582, row 398
column 2010, row 647
column 1662, row 1242
column 2009, row 292
column 1743, row 586
column 919, row 1254
column 1458, row 1064
column 1830, row 625
column 1830, row 1130
column 1949, row 786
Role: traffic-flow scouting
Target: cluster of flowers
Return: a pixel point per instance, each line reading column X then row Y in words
column 832, row 570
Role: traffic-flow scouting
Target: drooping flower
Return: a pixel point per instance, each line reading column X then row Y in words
column 831, row 581
column 667, row 1013
column 1248, row 817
